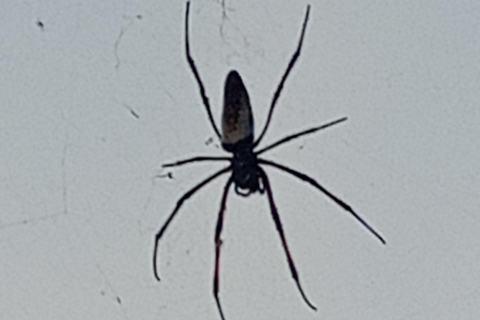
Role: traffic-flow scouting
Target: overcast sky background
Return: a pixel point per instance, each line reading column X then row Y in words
column 95, row 96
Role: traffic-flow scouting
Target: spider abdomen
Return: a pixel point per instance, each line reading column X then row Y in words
column 237, row 118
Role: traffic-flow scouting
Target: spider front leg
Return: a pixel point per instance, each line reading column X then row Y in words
column 218, row 245
column 278, row 224
column 180, row 201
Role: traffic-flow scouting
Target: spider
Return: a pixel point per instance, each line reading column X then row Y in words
column 247, row 174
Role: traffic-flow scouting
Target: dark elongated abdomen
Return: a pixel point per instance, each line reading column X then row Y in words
column 237, row 118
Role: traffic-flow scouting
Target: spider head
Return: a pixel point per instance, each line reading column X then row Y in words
column 244, row 171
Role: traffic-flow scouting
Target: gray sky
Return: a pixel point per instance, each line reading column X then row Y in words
column 95, row 96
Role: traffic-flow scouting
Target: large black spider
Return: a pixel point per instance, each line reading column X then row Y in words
column 247, row 175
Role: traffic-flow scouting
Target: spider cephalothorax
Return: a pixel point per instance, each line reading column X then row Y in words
column 244, row 172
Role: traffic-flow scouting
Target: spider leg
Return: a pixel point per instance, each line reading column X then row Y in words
column 191, row 63
column 278, row 224
column 337, row 200
column 180, row 201
column 284, row 77
column 218, row 244
column 194, row 159
column 300, row 134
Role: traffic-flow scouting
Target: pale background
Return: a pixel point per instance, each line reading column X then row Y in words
column 93, row 101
